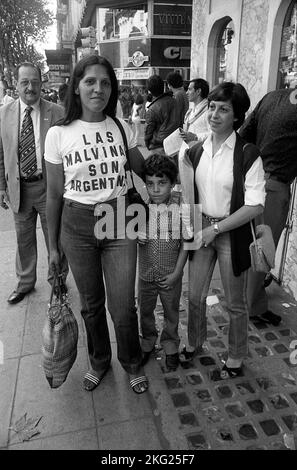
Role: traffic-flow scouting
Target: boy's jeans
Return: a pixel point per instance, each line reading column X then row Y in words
column 147, row 299
column 90, row 258
column 201, row 268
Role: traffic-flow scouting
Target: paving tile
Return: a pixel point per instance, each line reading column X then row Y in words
column 80, row 440
column 235, row 410
column 290, row 421
column 270, row 427
column 247, row 431
column 12, row 329
column 173, row 383
column 197, row 441
column 68, row 408
column 129, row 435
column 188, row 419
column 224, row 391
column 166, row 417
column 256, row 406
column 8, row 378
column 180, row 400
column 194, row 378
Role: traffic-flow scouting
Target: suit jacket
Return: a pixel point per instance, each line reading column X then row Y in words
column 50, row 113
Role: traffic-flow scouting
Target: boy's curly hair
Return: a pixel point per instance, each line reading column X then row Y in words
column 160, row 165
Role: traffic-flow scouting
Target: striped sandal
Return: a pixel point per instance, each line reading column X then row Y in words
column 91, row 381
column 139, row 384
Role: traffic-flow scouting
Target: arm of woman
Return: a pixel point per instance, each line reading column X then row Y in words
column 254, row 201
column 54, row 205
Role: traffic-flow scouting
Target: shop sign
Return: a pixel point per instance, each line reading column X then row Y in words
column 172, row 20
column 170, row 52
column 138, row 59
column 173, row 52
column 132, row 74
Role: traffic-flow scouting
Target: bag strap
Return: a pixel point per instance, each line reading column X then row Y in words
column 253, row 232
column 54, row 284
column 124, row 137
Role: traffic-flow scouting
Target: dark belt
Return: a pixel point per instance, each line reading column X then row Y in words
column 212, row 220
column 32, row 179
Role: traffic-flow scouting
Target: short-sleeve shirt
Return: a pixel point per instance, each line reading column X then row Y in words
column 158, row 257
column 93, row 158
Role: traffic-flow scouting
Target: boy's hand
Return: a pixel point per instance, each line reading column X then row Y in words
column 142, row 239
column 168, row 282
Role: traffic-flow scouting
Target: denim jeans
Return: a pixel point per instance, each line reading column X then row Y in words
column 147, row 299
column 102, row 267
column 201, row 268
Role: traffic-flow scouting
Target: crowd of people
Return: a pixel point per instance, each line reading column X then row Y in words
column 73, row 168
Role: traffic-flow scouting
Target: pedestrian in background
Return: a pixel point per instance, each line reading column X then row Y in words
column 272, row 126
column 162, row 116
column 195, row 126
column 62, row 93
column 176, row 85
column 85, row 158
column 135, row 117
column 24, row 124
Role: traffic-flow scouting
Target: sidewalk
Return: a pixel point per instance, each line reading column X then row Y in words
column 183, row 410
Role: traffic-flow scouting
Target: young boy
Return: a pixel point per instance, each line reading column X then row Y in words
column 161, row 260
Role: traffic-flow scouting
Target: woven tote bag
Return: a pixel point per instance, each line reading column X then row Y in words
column 59, row 338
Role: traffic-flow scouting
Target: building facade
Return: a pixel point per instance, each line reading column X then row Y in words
column 141, row 38
column 252, row 42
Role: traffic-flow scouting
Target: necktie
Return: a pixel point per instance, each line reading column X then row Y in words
column 28, row 162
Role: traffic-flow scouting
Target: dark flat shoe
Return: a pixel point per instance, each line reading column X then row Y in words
column 186, row 356
column 16, row 297
column 271, row 318
column 231, row 372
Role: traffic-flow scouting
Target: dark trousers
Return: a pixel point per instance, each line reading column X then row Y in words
column 33, row 203
column 275, row 215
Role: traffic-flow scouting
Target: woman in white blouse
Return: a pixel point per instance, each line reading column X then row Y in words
column 228, row 181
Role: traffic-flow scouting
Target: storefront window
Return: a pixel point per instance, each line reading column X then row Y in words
column 288, row 57
column 122, row 23
column 225, row 54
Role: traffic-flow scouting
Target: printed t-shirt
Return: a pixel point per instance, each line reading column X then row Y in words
column 93, row 157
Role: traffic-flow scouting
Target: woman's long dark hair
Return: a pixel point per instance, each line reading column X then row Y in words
column 73, row 108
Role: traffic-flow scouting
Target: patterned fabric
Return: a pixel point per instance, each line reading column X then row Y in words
column 158, row 256
column 28, row 161
column 59, row 343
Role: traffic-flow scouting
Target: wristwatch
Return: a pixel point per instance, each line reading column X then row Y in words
column 216, row 228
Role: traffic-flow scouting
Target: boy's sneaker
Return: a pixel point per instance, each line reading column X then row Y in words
column 172, row 361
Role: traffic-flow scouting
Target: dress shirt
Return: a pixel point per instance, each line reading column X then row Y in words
column 214, row 179
column 35, row 115
column 196, row 120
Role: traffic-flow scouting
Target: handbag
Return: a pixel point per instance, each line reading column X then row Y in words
column 133, row 195
column 59, row 337
column 262, row 249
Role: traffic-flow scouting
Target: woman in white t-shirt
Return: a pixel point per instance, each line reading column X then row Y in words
column 87, row 200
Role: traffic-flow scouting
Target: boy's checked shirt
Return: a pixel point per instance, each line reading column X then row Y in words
column 158, row 257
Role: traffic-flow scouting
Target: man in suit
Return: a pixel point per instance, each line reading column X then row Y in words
column 23, row 127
